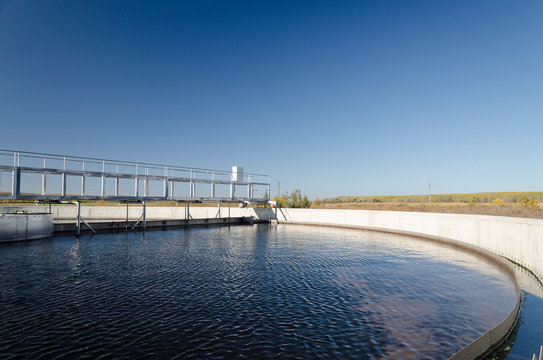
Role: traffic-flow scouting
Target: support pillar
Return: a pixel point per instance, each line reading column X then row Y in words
column 144, row 222
column 78, row 223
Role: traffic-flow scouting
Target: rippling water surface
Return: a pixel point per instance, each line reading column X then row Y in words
column 245, row 292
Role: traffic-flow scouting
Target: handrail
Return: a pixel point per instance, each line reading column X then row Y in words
column 94, row 160
column 117, row 171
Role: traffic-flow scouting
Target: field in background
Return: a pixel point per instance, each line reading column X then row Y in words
column 516, row 204
column 506, row 197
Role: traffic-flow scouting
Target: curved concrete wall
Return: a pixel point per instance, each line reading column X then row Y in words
column 14, row 227
column 518, row 239
column 495, row 234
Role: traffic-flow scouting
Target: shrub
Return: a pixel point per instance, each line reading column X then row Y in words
column 526, row 203
column 497, row 201
column 293, row 200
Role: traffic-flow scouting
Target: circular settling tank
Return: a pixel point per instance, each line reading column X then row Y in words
column 247, row 291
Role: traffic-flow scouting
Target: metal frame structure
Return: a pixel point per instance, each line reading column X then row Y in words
column 137, row 172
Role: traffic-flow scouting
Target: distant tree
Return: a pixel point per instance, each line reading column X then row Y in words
column 293, row 200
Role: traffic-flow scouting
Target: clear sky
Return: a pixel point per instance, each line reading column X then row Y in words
column 332, row 97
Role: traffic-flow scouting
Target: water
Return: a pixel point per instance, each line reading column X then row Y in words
column 245, row 292
column 527, row 336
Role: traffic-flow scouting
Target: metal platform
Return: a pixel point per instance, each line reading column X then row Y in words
column 174, row 183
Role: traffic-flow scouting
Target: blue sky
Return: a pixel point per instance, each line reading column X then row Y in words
column 334, row 98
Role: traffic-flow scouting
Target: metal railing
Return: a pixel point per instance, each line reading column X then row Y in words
column 138, row 177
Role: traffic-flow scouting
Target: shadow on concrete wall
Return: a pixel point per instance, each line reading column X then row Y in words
column 266, row 213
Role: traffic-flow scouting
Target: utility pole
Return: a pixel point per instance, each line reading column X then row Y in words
column 429, row 193
column 278, row 186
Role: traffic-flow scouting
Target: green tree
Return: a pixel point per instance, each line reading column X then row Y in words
column 293, row 200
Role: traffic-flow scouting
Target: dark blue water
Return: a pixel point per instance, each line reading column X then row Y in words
column 527, row 337
column 245, row 292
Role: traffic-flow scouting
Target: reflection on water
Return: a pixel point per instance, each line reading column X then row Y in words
column 246, row 291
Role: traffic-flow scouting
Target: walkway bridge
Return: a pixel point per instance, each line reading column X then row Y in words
column 40, row 176
column 62, row 178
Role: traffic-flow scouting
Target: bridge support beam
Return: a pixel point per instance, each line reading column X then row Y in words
column 78, row 219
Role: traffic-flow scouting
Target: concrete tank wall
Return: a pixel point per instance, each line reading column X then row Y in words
column 14, row 227
column 95, row 213
column 518, row 239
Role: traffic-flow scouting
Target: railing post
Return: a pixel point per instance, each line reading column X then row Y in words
column 15, row 177
column 146, row 184
column 103, row 186
column 165, row 192
column 83, row 181
column 43, row 180
column 213, row 185
column 63, row 186
column 103, row 182
column 63, row 190
column 192, row 188
column 136, row 180
column 117, row 183
column 16, row 182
